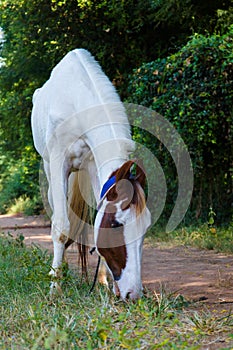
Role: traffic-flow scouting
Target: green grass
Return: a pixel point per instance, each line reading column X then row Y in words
column 31, row 319
column 204, row 236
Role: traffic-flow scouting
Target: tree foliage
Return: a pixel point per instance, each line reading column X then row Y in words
column 121, row 34
column 194, row 90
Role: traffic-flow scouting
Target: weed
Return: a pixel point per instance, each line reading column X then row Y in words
column 30, row 319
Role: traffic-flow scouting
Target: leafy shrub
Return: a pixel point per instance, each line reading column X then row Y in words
column 193, row 90
column 19, row 180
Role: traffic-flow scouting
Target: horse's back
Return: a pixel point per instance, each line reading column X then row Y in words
column 77, row 83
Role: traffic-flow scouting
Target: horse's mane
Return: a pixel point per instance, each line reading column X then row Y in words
column 102, row 86
column 96, row 104
column 139, row 198
column 108, row 107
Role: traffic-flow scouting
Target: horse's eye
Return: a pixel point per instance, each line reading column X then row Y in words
column 115, row 224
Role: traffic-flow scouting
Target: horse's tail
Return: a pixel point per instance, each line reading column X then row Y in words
column 78, row 194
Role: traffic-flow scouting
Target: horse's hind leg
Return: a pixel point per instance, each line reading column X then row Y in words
column 48, row 176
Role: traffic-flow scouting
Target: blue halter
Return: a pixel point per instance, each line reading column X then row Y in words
column 108, row 184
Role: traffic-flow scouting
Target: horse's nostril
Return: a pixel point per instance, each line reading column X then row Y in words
column 116, row 277
column 128, row 296
column 131, row 295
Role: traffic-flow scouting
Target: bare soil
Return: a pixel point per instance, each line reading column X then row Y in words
column 205, row 277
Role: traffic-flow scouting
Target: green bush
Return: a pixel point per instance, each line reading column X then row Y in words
column 193, row 90
column 19, row 182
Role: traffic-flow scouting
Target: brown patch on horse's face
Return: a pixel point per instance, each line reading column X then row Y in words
column 123, row 203
column 111, row 242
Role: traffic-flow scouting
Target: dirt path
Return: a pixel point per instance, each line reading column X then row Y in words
column 196, row 274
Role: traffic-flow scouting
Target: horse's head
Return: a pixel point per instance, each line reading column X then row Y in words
column 120, row 225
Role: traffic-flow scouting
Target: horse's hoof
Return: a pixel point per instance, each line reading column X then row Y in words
column 55, row 289
column 102, row 279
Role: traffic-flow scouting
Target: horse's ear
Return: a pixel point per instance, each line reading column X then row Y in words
column 124, row 171
column 140, row 174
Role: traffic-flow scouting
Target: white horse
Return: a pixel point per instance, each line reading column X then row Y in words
column 79, row 122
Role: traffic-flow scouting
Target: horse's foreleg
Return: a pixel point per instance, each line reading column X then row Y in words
column 58, row 258
column 102, row 275
column 60, row 222
column 102, row 278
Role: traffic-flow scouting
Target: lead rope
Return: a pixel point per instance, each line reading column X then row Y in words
column 96, row 272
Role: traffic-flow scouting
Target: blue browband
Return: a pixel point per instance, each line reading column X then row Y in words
column 108, row 184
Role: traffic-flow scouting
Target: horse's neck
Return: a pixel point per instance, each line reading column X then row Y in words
column 106, row 131
column 108, row 157
column 100, row 176
column 108, row 168
column 110, row 144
